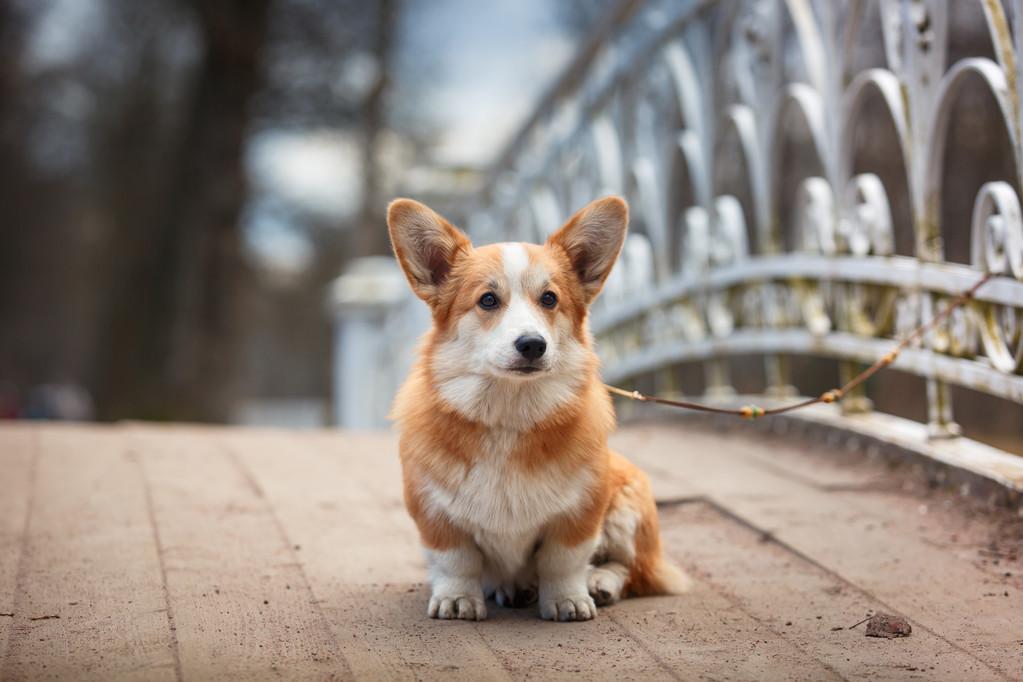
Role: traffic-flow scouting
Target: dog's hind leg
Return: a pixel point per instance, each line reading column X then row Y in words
column 607, row 581
column 629, row 560
column 616, row 553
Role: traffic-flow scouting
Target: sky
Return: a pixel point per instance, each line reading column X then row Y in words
column 480, row 66
column 490, row 63
column 65, row 28
column 473, row 71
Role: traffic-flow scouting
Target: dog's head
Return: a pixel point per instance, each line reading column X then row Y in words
column 511, row 311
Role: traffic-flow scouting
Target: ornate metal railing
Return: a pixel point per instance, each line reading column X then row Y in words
column 736, row 129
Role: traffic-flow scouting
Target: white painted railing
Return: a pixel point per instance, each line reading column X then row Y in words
column 695, row 111
column 733, row 251
column 376, row 324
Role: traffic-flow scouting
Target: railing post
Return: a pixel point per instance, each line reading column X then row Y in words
column 666, row 384
column 718, row 379
column 363, row 301
column 941, row 422
column 776, row 373
column 841, row 276
column 856, row 401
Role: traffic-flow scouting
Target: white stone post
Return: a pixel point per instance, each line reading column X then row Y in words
column 368, row 364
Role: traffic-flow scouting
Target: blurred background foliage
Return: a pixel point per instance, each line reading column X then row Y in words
column 180, row 180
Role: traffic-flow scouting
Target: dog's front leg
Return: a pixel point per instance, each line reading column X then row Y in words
column 457, row 588
column 562, row 570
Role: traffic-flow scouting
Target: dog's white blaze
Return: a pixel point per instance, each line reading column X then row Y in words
column 516, row 262
column 521, row 318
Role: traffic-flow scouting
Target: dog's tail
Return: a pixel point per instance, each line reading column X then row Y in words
column 667, row 578
column 660, row 576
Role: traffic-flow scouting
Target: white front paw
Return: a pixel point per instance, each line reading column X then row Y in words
column 568, row 607
column 462, row 606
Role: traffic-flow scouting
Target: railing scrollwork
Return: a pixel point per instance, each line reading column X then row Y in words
column 736, row 249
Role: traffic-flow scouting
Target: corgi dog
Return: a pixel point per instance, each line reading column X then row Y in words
column 504, row 423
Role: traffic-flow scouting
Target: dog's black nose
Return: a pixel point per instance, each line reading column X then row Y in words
column 531, row 347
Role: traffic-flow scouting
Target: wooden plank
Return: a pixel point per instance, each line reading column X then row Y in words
column 17, row 457
column 870, row 540
column 245, row 512
column 339, row 499
column 662, row 471
column 239, row 600
column 351, row 484
column 357, row 478
column 90, row 601
column 598, row 649
column 673, row 445
column 386, row 635
column 382, row 627
column 703, row 635
column 803, row 603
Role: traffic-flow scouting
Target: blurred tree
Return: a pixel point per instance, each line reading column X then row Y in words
column 124, row 129
column 330, row 68
column 173, row 331
column 12, row 161
column 34, row 215
column 371, row 239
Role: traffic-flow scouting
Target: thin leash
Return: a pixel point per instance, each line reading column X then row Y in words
column 835, row 394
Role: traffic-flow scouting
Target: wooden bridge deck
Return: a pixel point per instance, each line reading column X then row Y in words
column 193, row 553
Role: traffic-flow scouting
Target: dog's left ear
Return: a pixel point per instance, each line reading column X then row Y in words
column 426, row 245
column 592, row 239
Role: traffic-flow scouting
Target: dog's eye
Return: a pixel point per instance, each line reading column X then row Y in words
column 548, row 300
column 488, row 301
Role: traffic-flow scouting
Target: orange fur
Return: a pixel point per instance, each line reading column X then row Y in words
column 649, row 573
column 440, row 445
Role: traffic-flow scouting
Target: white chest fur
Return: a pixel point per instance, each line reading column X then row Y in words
column 505, row 507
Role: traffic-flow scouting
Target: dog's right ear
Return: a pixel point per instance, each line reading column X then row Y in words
column 426, row 245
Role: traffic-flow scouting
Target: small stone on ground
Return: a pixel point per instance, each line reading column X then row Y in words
column 888, row 626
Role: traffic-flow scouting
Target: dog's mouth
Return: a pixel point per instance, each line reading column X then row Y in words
column 525, row 370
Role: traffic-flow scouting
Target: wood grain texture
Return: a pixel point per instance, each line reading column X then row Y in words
column 340, row 501
column 802, row 603
column 869, row 536
column 203, row 553
column 90, row 601
column 18, row 450
column 237, row 594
